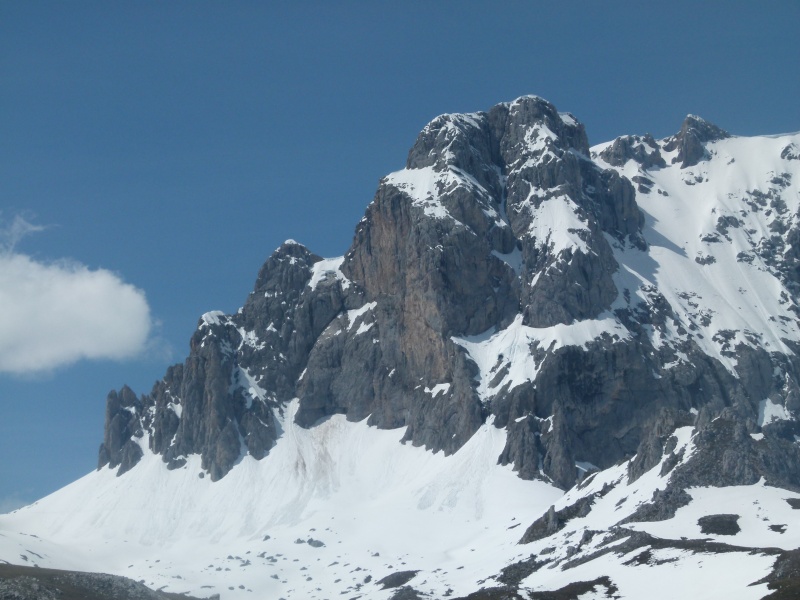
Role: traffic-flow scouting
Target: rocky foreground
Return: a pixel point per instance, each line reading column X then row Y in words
column 33, row 583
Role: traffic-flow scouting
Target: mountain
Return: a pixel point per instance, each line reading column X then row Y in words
column 542, row 370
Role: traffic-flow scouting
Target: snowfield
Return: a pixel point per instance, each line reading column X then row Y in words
column 377, row 507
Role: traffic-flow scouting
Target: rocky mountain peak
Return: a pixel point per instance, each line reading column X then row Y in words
column 505, row 274
column 704, row 130
column 642, row 149
column 690, row 141
column 534, row 125
column 286, row 267
column 499, row 218
column 505, row 135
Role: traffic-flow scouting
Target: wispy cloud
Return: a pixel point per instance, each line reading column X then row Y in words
column 12, row 233
column 54, row 314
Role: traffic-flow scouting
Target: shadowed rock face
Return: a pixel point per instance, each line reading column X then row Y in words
column 500, row 222
column 642, row 149
column 122, row 427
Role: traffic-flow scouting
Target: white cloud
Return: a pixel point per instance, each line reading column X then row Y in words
column 55, row 314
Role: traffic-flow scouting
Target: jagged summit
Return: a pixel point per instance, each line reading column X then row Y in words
column 617, row 326
column 642, row 149
column 496, row 135
column 691, row 140
column 704, row 130
column 688, row 146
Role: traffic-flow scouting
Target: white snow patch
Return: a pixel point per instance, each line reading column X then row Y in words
column 326, row 266
column 556, row 225
column 426, row 188
column 510, row 351
column 358, row 313
column 568, row 119
column 364, row 328
column 585, row 467
column 249, row 338
column 439, row 388
column 513, row 259
column 538, row 138
column 214, row 317
column 769, row 411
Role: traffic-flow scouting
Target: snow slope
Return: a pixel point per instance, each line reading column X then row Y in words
column 338, row 507
column 376, row 505
column 679, row 562
column 707, row 227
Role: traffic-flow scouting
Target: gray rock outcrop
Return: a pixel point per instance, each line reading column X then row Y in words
column 691, row 140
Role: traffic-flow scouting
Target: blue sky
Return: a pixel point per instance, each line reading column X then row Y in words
column 172, row 146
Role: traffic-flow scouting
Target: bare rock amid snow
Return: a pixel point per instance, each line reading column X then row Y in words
column 642, row 149
column 691, row 140
column 120, row 447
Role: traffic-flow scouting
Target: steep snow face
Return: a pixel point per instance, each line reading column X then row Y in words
column 718, row 247
column 331, row 511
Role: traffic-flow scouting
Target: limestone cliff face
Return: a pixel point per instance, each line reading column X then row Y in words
column 507, row 273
